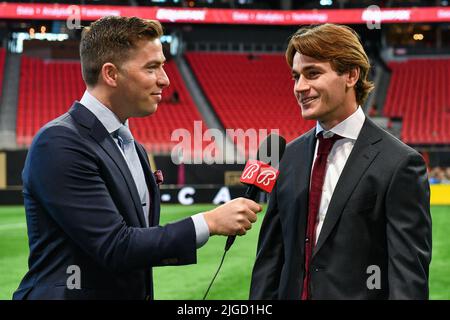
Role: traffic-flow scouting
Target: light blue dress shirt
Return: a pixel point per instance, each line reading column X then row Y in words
column 111, row 122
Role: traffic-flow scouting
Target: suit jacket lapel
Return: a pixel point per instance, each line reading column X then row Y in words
column 97, row 131
column 301, row 177
column 363, row 153
column 152, row 186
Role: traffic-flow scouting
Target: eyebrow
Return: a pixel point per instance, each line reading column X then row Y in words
column 307, row 68
column 153, row 62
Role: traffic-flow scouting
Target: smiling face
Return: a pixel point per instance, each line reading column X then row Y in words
column 321, row 92
column 140, row 80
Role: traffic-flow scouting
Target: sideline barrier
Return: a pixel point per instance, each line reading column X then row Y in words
column 440, row 194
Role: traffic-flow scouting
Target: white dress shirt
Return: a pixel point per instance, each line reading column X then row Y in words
column 111, row 122
column 349, row 129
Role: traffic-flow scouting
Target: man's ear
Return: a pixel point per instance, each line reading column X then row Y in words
column 109, row 74
column 352, row 77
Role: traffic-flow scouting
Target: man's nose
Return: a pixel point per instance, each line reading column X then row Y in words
column 163, row 79
column 301, row 85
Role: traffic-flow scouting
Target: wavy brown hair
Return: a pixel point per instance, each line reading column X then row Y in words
column 337, row 44
column 110, row 39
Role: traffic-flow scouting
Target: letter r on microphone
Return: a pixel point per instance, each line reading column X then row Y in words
column 259, row 174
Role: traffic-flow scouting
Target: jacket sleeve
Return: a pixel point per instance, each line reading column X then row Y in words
column 64, row 176
column 270, row 255
column 409, row 230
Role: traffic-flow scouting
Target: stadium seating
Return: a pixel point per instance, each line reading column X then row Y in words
column 48, row 88
column 250, row 91
column 419, row 93
column 2, row 65
column 246, row 92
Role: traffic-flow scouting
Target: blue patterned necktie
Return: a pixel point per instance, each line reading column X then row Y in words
column 126, row 143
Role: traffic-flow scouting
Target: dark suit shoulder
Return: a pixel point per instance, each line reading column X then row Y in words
column 300, row 140
column 60, row 133
column 392, row 143
column 56, row 125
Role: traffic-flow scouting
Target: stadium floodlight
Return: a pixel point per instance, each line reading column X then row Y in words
column 16, row 44
column 326, row 2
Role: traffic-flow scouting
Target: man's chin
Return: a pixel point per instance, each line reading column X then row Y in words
column 148, row 111
column 153, row 109
column 308, row 115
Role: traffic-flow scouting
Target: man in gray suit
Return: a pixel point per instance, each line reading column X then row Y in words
column 349, row 217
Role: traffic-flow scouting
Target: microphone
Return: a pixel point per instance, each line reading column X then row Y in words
column 260, row 174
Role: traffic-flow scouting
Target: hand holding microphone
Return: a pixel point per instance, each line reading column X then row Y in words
column 236, row 216
column 260, row 175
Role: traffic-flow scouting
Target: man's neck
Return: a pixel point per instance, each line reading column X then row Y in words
column 329, row 124
column 106, row 99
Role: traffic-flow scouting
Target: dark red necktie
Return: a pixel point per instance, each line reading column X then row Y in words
column 315, row 194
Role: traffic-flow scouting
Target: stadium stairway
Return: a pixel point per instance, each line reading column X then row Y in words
column 378, row 95
column 251, row 93
column 204, row 108
column 8, row 106
column 2, row 65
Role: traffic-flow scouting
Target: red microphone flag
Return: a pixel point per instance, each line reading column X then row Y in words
column 259, row 174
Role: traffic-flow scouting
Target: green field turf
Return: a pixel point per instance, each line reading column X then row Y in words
column 190, row 282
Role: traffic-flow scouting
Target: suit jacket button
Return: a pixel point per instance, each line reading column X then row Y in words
column 147, row 298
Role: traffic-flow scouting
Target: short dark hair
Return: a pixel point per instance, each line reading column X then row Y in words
column 110, row 39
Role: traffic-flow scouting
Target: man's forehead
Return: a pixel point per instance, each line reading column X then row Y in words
column 302, row 61
column 149, row 50
column 153, row 45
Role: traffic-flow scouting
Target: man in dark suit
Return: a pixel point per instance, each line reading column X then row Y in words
column 92, row 203
column 349, row 217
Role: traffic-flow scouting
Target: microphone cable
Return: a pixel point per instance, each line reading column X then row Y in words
column 217, row 272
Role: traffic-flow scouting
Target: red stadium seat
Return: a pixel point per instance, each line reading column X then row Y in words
column 419, row 92
column 250, row 93
column 47, row 89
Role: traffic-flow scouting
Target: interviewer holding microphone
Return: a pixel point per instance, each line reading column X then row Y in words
column 92, row 203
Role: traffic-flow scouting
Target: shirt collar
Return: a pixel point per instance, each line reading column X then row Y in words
column 349, row 128
column 108, row 118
